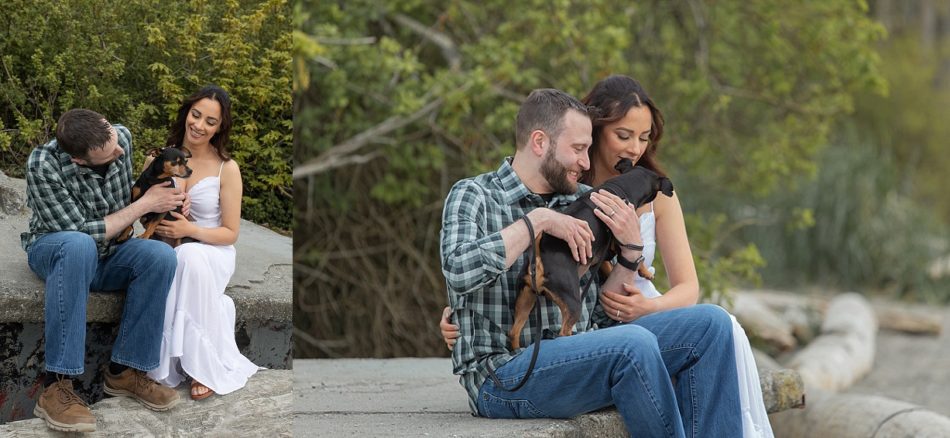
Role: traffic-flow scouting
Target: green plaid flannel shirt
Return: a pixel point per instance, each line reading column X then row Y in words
column 67, row 197
column 482, row 292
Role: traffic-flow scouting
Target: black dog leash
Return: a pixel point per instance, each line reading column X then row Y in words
column 538, row 332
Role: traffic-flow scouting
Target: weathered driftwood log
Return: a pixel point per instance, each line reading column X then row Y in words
column 908, row 321
column 800, row 311
column 858, row 416
column 765, row 328
column 844, row 352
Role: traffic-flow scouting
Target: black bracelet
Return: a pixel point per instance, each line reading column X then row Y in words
column 633, row 266
column 631, row 246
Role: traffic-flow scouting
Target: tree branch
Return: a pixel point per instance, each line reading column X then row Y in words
column 449, row 48
column 332, row 157
column 346, row 41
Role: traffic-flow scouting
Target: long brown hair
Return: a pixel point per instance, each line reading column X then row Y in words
column 611, row 98
column 221, row 138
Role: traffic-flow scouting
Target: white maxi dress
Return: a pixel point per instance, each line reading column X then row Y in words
column 755, row 421
column 198, row 338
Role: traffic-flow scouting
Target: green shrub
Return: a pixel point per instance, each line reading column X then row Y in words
column 134, row 60
column 867, row 233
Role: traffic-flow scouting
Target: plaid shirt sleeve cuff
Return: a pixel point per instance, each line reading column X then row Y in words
column 599, row 317
column 493, row 253
column 95, row 228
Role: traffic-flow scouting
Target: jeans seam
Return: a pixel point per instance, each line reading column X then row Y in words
column 677, row 347
column 494, row 399
column 120, row 342
column 649, row 390
column 60, row 305
column 693, row 402
column 592, row 355
column 691, row 375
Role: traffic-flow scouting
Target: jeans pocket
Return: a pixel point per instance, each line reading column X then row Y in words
column 492, row 406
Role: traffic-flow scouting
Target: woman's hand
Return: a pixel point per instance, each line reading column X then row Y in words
column 628, row 306
column 619, row 216
column 175, row 229
column 450, row 332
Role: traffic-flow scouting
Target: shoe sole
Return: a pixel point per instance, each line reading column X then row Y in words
column 146, row 403
column 63, row 427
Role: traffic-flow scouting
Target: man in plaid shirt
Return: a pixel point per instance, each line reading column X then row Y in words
column 484, row 236
column 79, row 188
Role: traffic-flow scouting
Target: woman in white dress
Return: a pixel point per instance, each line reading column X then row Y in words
column 198, row 339
column 630, row 126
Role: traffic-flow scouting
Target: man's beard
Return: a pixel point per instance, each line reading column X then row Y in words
column 555, row 174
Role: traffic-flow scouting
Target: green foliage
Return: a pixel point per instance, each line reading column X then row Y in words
column 750, row 90
column 910, row 122
column 867, row 234
column 134, row 60
column 722, row 260
column 877, row 217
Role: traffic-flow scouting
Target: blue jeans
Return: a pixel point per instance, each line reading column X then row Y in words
column 631, row 366
column 70, row 265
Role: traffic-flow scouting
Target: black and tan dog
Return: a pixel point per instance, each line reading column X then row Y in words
column 556, row 274
column 168, row 162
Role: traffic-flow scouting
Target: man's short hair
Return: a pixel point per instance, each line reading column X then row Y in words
column 80, row 130
column 544, row 110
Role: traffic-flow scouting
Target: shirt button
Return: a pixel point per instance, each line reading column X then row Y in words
column 485, row 396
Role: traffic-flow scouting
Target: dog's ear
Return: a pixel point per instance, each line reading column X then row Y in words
column 185, row 151
column 624, row 165
column 153, row 152
column 666, row 186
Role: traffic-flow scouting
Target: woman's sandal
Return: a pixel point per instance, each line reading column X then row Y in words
column 197, row 393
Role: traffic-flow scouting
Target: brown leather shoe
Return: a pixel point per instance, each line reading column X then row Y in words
column 134, row 383
column 63, row 409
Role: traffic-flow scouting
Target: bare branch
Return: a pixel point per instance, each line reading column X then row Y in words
column 325, row 346
column 506, row 93
column 449, row 48
column 346, row 41
column 338, row 152
column 326, row 62
column 333, row 162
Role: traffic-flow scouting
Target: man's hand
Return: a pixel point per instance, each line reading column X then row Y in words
column 574, row 231
column 450, row 332
column 161, row 198
column 186, row 205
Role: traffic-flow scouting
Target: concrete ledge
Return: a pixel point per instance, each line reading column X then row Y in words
column 421, row 397
column 262, row 408
column 261, row 287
